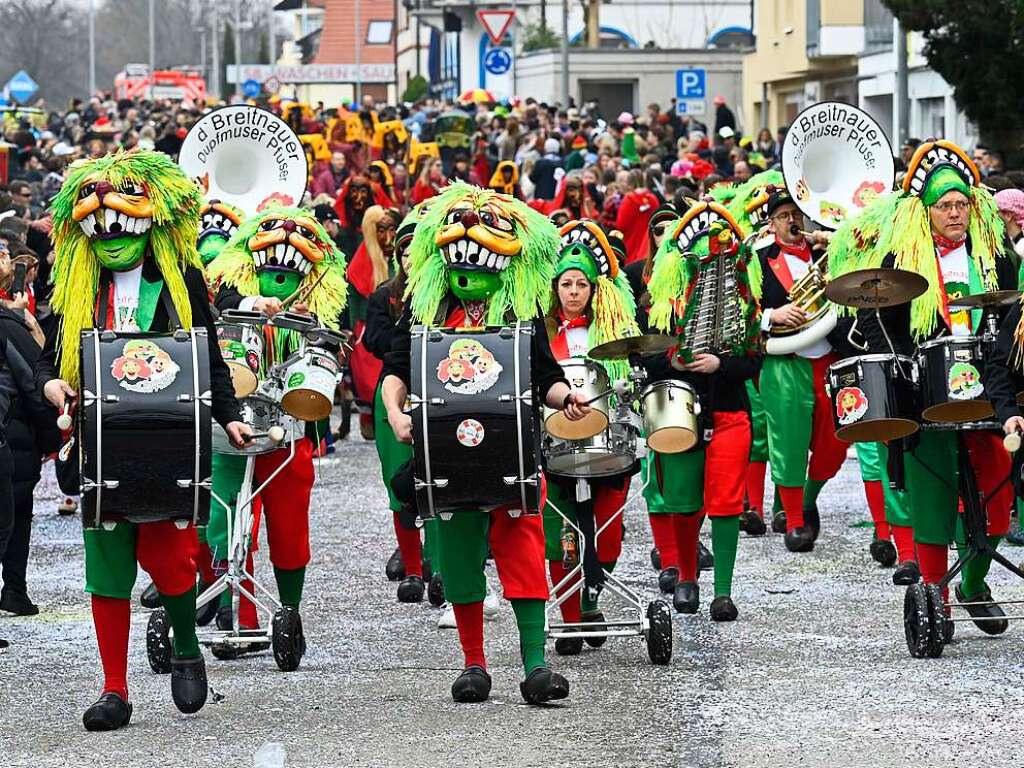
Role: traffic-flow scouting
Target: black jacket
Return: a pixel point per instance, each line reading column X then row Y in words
column 224, row 405
column 545, row 370
column 382, row 312
column 897, row 319
column 32, row 432
column 1004, row 376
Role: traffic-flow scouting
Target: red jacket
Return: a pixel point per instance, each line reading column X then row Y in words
column 633, row 217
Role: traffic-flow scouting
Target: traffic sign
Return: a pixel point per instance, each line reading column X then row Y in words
column 272, row 85
column 690, row 107
column 251, row 89
column 21, row 86
column 496, row 22
column 498, row 61
column 690, row 83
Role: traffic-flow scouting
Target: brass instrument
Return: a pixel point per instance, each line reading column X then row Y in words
column 807, row 293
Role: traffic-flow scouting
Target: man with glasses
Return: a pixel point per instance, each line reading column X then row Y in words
column 796, row 407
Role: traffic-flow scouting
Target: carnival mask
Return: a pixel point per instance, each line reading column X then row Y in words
column 116, row 221
column 218, row 223
column 285, row 251
column 478, row 243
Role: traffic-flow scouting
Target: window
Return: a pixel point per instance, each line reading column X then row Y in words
column 379, row 32
column 932, row 116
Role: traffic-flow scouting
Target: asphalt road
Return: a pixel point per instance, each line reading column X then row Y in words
column 815, row 672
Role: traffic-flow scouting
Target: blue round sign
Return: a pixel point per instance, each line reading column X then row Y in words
column 251, row 89
column 498, row 61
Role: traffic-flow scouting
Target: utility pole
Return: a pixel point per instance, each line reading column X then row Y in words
column 92, row 48
column 238, row 48
column 902, row 91
column 152, row 48
column 359, row 50
column 565, row 54
column 271, row 37
column 214, row 83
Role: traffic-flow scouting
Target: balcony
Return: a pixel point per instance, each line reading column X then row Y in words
column 835, row 30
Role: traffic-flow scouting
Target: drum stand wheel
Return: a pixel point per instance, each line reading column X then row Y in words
column 158, row 642
column 232, row 643
column 288, row 638
column 659, row 632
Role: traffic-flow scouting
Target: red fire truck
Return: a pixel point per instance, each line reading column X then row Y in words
column 179, row 83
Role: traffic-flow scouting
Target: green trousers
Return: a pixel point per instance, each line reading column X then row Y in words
column 758, row 425
column 873, row 459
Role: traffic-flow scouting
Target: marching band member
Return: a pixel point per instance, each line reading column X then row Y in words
column 124, row 234
column 797, row 410
column 281, row 253
column 450, row 287
column 708, row 480
column 944, row 226
column 592, row 304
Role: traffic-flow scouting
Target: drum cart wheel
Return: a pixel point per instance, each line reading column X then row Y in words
column 936, row 620
column 158, row 642
column 917, row 620
column 289, row 641
column 659, row 632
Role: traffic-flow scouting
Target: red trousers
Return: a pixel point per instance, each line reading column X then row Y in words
column 725, row 464
column 285, row 503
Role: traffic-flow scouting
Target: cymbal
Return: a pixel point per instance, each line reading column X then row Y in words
column 876, row 288
column 986, row 300
column 620, row 349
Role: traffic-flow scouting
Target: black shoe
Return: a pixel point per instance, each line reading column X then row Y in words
column 779, row 522
column 981, row 611
column 188, row 684
column 395, row 568
column 752, row 524
column 472, row 685
column 435, row 590
column 883, row 552
column 224, row 620
column 705, row 560
column 595, row 617
column 428, row 570
column 109, row 713
column 411, row 590
column 655, row 559
column 568, row 646
column 668, row 579
column 150, row 598
column 543, row 685
column 723, row 609
column 686, row 598
column 18, row 604
column 800, row 539
column 1015, row 539
column 813, row 520
column 906, row 574
column 4, row 645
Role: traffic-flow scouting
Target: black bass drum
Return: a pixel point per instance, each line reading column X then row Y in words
column 952, row 380
column 144, row 426
column 872, row 397
column 475, row 439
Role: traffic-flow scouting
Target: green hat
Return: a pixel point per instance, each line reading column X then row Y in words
column 576, row 256
column 941, row 180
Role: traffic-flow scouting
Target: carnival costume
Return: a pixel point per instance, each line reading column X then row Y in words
column 452, row 285
column 703, row 269
column 609, row 315
column 895, row 231
column 124, row 234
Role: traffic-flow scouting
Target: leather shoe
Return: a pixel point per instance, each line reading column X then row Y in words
column 686, row 598
column 779, row 522
column 17, row 603
column 668, row 579
column 472, row 685
column 188, row 684
column 394, row 569
column 990, row 627
column 109, row 713
column 723, row 609
column 752, row 524
column 906, row 573
column 655, row 559
column 813, row 520
column 411, row 590
column 800, row 539
column 705, row 559
column 543, row 685
column 883, row 552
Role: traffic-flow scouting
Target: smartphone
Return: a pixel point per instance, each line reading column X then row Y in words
column 18, row 283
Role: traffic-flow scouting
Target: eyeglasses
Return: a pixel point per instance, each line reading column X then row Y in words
column 952, row 205
column 786, row 216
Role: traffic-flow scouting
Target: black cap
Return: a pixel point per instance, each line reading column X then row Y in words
column 777, row 200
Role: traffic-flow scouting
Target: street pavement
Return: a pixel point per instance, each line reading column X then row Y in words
column 815, row 672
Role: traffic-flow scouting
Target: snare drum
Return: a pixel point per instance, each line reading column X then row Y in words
column 309, row 380
column 951, row 372
column 241, row 346
column 607, row 453
column 670, row 410
column 261, row 413
column 589, row 379
column 872, row 397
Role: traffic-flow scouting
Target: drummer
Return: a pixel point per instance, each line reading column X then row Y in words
column 591, row 304
column 253, row 273
column 951, row 234
column 708, row 480
column 454, row 293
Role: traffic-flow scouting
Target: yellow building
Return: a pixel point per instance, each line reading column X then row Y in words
column 806, row 52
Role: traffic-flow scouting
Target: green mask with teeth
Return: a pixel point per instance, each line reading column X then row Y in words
column 120, row 254
column 210, row 246
column 278, row 283
column 471, row 285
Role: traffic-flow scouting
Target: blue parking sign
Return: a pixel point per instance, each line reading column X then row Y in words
column 690, row 83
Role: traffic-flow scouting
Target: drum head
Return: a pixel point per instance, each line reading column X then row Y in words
column 306, row 404
column 874, row 430
column 559, row 425
column 671, row 440
column 959, row 411
column 243, row 380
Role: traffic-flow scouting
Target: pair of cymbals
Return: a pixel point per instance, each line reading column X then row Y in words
column 623, row 349
column 881, row 288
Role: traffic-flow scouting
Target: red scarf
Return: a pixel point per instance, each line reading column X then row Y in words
column 778, row 263
column 560, row 344
column 468, row 315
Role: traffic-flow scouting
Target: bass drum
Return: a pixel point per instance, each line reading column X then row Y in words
column 872, row 397
column 670, row 411
column 952, row 371
column 607, row 453
column 474, row 439
column 145, row 426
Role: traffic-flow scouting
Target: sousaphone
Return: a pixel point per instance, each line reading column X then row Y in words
column 836, row 159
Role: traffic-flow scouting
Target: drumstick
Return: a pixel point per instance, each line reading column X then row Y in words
column 1012, row 442
column 303, row 292
column 64, row 420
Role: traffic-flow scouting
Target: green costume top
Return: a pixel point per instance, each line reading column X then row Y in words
column 109, row 214
column 898, row 223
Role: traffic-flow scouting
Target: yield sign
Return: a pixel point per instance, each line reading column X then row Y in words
column 496, row 22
